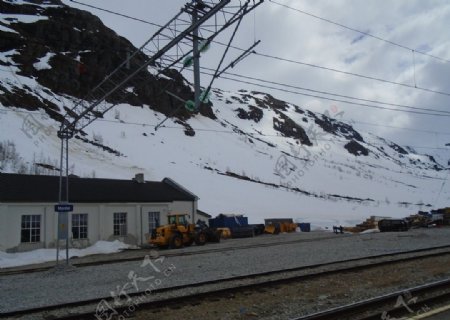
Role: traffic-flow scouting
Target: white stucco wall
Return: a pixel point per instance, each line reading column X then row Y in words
column 162, row 208
column 3, row 227
column 202, row 218
column 186, row 207
column 100, row 222
column 11, row 226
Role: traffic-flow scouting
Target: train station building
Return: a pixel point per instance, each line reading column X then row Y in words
column 103, row 209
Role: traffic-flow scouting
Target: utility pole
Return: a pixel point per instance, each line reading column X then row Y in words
column 63, row 207
column 196, row 53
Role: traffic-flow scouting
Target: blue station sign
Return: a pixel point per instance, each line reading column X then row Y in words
column 63, row 207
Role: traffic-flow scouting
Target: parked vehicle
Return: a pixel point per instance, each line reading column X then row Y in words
column 237, row 225
column 388, row 225
column 178, row 233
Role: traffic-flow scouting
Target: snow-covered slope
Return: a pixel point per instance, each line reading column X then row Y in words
column 250, row 153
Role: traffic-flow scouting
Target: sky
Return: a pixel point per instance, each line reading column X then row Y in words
column 319, row 33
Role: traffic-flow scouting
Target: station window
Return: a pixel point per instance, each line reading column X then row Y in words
column 80, row 226
column 31, row 228
column 120, row 223
column 153, row 220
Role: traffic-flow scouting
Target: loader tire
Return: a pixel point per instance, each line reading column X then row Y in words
column 200, row 239
column 216, row 236
column 176, row 242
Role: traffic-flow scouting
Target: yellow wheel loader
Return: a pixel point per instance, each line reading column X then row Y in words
column 178, row 233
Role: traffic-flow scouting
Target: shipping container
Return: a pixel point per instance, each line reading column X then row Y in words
column 305, row 227
column 228, row 221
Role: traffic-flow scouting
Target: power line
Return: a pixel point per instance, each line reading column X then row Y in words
column 359, row 31
column 185, row 22
column 402, row 128
column 334, row 94
column 117, row 13
column 428, row 111
column 250, row 134
column 353, row 74
column 290, row 60
column 328, row 98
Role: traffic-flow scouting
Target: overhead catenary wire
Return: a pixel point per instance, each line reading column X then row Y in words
column 429, row 111
column 358, row 31
column 353, row 74
column 332, row 99
column 116, row 13
column 250, row 134
column 444, row 112
column 414, row 110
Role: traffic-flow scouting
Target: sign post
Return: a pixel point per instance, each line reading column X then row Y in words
column 63, row 210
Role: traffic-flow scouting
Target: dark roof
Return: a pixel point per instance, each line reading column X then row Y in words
column 30, row 188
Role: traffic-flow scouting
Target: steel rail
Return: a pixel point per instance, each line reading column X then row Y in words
column 385, row 304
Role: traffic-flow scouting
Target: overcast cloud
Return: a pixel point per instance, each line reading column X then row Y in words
column 420, row 25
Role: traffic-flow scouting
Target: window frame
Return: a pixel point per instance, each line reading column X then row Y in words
column 152, row 222
column 81, row 224
column 120, row 225
column 30, row 229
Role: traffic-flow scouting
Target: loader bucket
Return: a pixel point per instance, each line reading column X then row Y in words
column 272, row 229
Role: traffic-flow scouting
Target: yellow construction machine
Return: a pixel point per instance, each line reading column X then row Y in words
column 277, row 227
column 178, row 233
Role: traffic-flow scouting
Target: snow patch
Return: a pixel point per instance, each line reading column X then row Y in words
column 43, row 63
column 6, row 29
column 8, row 260
column 369, row 231
column 20, row 18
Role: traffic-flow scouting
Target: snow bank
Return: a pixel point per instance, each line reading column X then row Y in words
column 8, row 260
column 369, row 231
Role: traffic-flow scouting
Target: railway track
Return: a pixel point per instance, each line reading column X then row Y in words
column 222, row 287
column 404, row 304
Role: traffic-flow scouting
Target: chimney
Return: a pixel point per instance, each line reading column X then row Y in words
column 139, row 178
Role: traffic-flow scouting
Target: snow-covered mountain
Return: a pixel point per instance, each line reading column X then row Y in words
column 245, row 152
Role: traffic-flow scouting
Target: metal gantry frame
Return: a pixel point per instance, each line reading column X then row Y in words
column 166, row 47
